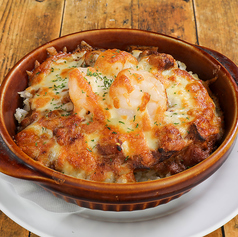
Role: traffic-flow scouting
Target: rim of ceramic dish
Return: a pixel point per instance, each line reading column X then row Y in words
column 163, row 183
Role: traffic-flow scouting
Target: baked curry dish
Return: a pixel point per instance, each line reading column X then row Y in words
column 117, row 116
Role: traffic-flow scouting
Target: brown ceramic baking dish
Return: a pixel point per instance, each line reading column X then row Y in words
column 119, row 197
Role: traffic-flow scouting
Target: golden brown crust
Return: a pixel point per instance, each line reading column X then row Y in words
column 103, row 114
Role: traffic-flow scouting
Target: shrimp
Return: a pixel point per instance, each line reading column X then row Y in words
column 134, row 92
column 85, row 100
column 112, row 61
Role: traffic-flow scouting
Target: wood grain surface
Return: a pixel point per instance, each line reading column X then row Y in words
column 27, row 24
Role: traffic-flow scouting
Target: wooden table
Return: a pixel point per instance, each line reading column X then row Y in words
column 27, row 24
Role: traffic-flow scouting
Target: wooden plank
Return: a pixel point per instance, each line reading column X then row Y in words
column 33, row 235
column 174, row 18
column 217, row 24
column 216, row 233
column 231, row 228
column 93, row 14
column 24, row 26
column 170, row 17
column 10, row 228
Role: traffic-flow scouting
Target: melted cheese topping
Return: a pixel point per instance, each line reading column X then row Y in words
column 102, row 121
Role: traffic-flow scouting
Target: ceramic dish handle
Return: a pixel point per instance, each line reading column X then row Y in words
column 226, row 62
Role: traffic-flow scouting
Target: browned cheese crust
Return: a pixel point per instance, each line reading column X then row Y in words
column 104, row 115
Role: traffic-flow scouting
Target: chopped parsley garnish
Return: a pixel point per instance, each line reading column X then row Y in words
column 106, row 81
column 130, row 129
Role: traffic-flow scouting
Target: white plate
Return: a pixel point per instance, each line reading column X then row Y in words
column 197, row 213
